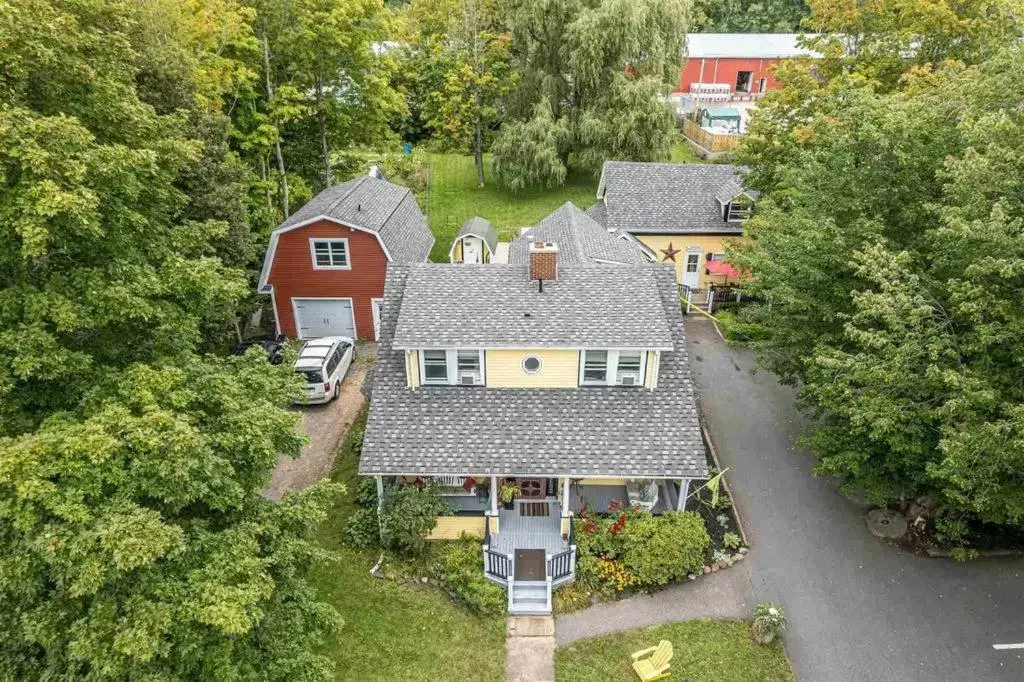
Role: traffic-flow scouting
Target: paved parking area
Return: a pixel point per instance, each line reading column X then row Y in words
column 326, row 426
column 858, row 609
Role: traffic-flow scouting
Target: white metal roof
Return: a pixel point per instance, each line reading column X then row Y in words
column 749, row 45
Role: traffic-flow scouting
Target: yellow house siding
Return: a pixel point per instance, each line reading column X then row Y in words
column 454, row 527
column 708, row 243
column 602, row 481
column 651, row 380
column 412, row 368
column 559, row 369
column 457, row 254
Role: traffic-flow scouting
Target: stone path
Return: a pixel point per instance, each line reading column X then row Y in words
column 725, row 594
column 530, row 649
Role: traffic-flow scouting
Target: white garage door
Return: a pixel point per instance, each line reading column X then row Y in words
column 316, row 317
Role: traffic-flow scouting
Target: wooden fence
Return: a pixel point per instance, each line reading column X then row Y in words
column 713, row 142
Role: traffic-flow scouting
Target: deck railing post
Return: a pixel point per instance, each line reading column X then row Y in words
column 572, row 560
column 711, row 298
column 689, row 300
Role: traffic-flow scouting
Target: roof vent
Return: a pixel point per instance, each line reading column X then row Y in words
column 359, row 207
column 543, row 261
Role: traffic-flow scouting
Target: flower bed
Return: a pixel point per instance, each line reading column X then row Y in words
column 629, row 550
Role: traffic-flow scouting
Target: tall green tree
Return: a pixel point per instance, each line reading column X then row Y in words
column 477, row 77
column 888, row 241
column 334, row 53
column 134, row 543
column 604, row 67
column 750, row 16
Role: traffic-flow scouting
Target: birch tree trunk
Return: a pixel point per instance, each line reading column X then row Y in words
column 322, row 122
column 277, row 142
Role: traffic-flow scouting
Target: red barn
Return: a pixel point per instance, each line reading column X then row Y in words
column 725, row 66
column 325, row 265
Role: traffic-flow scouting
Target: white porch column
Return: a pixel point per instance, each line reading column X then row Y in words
column 380, row 492
column 684, row 490
column 494, row 495
column 565, row 496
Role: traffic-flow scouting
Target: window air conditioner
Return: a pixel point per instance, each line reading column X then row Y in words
column 630, row 379
column 469, row 378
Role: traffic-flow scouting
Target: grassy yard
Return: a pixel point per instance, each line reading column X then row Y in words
column 454, row 198
column 392, row 631
column 704, row 651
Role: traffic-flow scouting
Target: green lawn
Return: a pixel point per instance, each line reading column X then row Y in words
column 396, row 632
column 704, row 651
column 454, row 197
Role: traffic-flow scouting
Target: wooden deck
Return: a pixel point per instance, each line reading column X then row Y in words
column 529, row 532
column 601, row 496
column 454, row 527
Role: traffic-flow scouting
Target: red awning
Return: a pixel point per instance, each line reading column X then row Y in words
column 720, row 267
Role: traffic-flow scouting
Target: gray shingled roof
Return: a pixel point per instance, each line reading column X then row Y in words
column 651, row 198
column 478, row 227
column 580, row 239
column 379, row 206
column 497, row 306
column 632, row 433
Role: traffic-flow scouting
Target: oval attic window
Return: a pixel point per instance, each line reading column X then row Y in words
column 531, row 364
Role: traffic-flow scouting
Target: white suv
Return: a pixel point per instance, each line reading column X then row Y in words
column 324, row 362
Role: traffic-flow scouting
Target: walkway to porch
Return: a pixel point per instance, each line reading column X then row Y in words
column 516, row 531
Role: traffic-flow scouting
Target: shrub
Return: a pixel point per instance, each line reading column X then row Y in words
column 615, row 574
column 657, row 549
column 571, row 597
column 362, row 529
column 463, row 577
column 409, row 515
column 769, row 622
column 732, row 541
column 366, row 492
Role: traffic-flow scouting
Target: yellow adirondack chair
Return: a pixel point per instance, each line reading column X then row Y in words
column 652, row 664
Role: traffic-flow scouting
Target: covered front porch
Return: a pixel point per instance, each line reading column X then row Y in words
column 528, row 542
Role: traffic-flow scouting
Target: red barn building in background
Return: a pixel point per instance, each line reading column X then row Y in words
column 724, row 66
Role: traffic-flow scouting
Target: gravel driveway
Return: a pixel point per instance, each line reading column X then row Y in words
column 326, row 426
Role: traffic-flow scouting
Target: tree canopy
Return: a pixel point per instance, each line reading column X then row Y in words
column 599, row 69
column 889, row 242
column 134, row 542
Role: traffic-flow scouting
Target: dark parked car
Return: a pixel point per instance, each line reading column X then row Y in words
column 272, row 347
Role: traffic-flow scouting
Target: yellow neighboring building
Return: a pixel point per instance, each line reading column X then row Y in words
column 685, row 214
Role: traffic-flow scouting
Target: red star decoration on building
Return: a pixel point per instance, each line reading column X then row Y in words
column 670, row 253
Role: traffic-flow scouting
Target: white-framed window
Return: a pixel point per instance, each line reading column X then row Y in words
column 532, row 364
column 612, row 367
column 715, row 256
column 462, row 367
column 739, row 209
column 329, row 254
column 434, row 366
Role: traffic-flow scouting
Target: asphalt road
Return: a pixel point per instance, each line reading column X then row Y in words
column 858, row 609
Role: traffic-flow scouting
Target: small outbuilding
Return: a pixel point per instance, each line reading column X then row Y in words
column 721, row 118
column 476, row 242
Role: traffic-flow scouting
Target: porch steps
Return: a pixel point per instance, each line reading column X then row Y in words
column 529, row 598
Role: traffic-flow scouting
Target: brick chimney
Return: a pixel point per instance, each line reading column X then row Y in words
column 543, row 261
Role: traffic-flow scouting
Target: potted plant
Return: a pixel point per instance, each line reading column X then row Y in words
column 508, row 492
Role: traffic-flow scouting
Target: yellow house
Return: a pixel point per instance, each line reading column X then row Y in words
column 529, row 390
column 683, row 214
